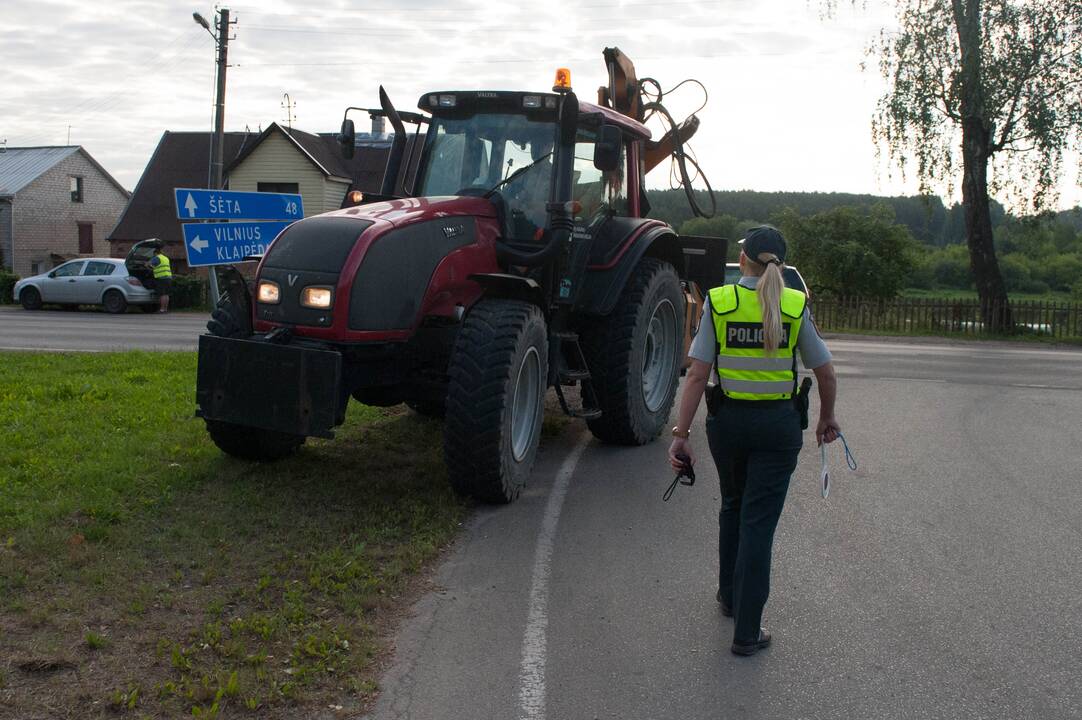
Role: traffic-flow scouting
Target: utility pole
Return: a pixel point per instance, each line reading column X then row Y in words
column 217, row 143
column 219, row 108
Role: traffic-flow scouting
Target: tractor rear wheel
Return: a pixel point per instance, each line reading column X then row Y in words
column 634, row 356
column 495, row 400
column 249, row 443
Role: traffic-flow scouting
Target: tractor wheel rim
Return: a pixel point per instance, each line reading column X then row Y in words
column 659, row 356
column 525, row 404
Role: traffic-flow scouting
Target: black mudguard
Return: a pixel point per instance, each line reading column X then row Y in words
column 694, row 258
column 287, row 388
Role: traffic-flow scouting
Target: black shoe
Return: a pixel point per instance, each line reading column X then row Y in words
column 754, row 647
column 725, row 609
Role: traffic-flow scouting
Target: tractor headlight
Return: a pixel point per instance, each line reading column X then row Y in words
column 268, row 293
column 317, row 297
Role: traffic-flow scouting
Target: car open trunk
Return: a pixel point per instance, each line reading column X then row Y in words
column 138, row 261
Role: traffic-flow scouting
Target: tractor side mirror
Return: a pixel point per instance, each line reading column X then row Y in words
column 607, row 148
column 347, row 139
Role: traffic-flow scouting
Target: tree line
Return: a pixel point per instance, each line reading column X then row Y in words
column 875, row 247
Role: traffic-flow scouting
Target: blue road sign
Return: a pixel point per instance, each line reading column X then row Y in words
column 222, row 243
column 194, row 204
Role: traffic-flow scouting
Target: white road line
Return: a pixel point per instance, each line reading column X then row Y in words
column 534, row 642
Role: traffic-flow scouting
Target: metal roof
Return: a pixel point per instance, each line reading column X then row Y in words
column 21, row 166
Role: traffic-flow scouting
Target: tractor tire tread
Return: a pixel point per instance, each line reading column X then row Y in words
column 478, row 373
column 612, row 337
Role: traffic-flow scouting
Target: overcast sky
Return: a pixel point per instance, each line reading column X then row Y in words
column 789, row 106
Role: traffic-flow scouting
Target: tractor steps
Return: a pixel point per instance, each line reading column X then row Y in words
column 571, row 369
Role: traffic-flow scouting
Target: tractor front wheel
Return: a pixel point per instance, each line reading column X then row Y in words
column 634, row 356
column 249, row 443
column 495, row 400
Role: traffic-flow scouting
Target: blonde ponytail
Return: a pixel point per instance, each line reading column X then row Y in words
column 769, row 293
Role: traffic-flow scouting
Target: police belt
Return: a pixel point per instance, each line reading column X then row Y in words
column 715, row 398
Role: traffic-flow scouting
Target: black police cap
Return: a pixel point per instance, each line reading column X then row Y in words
column 764, row 239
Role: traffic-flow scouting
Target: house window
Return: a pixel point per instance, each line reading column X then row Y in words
column 274, row 187
column 35, row 268
column 76, row 189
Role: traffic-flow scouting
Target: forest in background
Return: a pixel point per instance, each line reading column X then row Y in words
column 908, row 242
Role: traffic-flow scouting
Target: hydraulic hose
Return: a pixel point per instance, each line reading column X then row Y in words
column 682, row 158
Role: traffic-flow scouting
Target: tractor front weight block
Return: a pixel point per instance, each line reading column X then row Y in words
column 285, row 388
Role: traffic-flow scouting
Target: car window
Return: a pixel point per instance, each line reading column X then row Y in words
column 793, row 280
column 789, row 275
column 70, row 269
column 99, row 268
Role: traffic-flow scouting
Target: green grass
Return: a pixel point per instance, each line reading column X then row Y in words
column 951, row 294
column 212, row 586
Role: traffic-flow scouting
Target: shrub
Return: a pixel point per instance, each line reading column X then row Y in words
column 1016, row 272
column 950, row 266
column 849, row 251
column 7, row 285
column 188, row 291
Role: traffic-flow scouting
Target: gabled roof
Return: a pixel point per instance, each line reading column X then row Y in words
column 364, row 170
column 320, row 150
column 182, row 159
column 20, row 166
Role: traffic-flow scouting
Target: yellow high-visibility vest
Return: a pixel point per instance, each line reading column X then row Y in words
column 745, row 371
column 162, row 269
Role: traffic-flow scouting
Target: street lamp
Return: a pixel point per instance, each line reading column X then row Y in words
column 221, row 41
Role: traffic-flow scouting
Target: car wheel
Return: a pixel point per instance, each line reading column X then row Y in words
column 114, row 302
column 30, row 298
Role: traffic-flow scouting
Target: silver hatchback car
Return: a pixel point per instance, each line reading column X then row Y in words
column 91, row 281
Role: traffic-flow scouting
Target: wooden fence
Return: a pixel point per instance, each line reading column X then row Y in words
column 919, row 315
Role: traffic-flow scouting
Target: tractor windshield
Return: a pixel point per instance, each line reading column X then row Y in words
column 508, row 155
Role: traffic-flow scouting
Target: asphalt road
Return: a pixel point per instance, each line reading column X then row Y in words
column 97, row 331
column 942, row 579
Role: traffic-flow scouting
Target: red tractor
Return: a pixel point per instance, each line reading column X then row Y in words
column 520, row 259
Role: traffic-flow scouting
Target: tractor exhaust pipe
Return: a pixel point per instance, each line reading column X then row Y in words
column 398, row 145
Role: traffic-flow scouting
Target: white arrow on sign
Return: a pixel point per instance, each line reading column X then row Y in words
column 199, row 245
column 190, row 206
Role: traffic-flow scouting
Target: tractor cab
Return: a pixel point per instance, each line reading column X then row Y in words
column 504, row 146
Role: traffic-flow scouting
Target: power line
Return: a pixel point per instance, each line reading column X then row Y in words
column 460, row 10
column 549, row 60
column 160, row 63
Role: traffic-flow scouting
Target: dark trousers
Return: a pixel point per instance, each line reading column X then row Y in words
column 755, row 446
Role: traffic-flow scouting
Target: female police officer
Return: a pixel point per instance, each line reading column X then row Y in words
column 753, row 330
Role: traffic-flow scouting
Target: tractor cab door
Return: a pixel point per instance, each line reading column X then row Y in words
column 600, row 195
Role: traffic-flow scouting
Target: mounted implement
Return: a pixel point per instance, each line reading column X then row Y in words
column 519, row 258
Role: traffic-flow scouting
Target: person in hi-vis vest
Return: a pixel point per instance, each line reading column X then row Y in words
column 752, row 333
column 163, row 278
